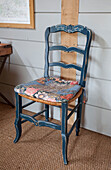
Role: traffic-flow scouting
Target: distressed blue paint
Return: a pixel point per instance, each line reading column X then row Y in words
column 87, row 54
column 69, row 29
column 65, row 65
column 85, row 60
column 72, row 111
column 37, row 114
column 29, row 118
column 66, row 49
column 64, row 131
column 79, row 112
column 64, row 105
column 47, row 32
column 74, row 124
column 47, row 112
column 67, row 108
column 28, row 104
column 18, row 119
column 40, row 122
column 49, row 124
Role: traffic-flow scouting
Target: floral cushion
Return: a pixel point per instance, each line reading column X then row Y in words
column 51, row 89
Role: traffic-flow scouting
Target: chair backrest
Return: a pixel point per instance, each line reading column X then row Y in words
column 68, row 29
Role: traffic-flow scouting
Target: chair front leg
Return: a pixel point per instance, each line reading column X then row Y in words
column 64, row 132
column 79, row 112
column 47, row 112
column 18, row 119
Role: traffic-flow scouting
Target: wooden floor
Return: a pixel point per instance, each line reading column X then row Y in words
column 39, row 148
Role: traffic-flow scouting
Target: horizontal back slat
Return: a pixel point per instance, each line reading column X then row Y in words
column 65, row 65
column 66, row 49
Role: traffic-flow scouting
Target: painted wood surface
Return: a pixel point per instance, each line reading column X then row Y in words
column 98, row 90
column 95, row 6
column 48, row 6
column 89, row 121
column 95, row 17
column 42, row 21
column 18, row 74
column 8, row 90
column 99, row 63
column 99, row 93
column 97, row 119
column 94, row 21
column 99, row 23
column 22, row 56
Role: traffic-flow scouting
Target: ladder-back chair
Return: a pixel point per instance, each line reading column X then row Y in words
column 55, row 91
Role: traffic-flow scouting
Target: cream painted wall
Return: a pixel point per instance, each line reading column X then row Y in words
column 97, row 15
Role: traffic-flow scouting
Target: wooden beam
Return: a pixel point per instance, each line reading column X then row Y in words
column 69, row 15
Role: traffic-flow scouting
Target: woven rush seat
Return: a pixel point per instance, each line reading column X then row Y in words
column 51, row 89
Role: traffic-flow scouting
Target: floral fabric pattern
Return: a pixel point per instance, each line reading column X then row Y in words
column 51, row 89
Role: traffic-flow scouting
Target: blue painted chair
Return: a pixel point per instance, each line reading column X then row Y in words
column 55, row 91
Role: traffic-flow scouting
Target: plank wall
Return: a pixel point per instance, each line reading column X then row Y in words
column 97, row 16
column 27, row 61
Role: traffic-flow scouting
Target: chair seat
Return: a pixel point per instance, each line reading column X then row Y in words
column 51, row 89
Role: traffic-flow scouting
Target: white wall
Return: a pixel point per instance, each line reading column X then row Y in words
column 27, row 61
column 96, row 15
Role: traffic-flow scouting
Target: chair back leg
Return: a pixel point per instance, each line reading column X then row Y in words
column 18, row 119
column 79, row 112
column 64, row 132
column 47, row 112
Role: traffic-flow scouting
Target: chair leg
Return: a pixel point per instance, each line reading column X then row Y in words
column 47, row 112
column 64, row 132
column 79, row 111
column 18, row 119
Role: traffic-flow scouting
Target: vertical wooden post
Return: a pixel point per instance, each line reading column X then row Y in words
column 69, row 15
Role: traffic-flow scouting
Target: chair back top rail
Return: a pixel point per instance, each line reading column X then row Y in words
column 68, row 29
